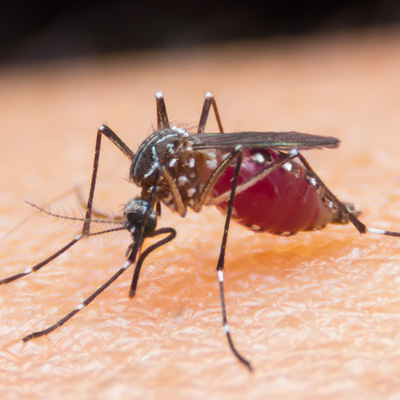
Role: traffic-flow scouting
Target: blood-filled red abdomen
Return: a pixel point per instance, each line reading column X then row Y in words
column 286, row 201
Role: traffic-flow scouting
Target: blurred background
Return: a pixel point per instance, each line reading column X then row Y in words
column 46, row 30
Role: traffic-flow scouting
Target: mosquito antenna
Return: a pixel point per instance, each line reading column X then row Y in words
column 120, row 228
column 30, row 216
column 67, row 217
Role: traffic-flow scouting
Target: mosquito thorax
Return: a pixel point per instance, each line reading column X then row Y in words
column 171, row 149
column 160, row 148
column 134, row 214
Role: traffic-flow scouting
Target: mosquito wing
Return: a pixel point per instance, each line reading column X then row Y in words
column 259, row 140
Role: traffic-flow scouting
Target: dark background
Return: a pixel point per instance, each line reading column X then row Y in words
column 43, row 29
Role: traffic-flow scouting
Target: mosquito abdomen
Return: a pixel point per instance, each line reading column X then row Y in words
column 286, row 201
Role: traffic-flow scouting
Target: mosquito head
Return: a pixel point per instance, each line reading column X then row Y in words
column 134, row 213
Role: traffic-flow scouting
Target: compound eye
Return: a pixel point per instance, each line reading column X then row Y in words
column 133, row 218
column 135, row 212
column 133, row 215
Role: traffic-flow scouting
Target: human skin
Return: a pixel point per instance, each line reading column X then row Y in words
column 316, row 314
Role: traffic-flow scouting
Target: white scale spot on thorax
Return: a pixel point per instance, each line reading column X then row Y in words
column 191, row 192
column 211, row 163
column 182, row 180
column 180, row 130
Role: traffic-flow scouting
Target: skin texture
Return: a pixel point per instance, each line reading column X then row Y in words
column 317, row 313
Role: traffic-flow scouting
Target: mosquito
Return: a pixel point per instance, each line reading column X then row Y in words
column 259, row 179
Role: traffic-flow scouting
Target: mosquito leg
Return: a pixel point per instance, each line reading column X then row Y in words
column 226, row 162
column 103, row 130
column 362, row 228
column 174, row 190
column 112, row 136
column 221, row 260
column 131, row 257
column 80, row 307
column 162, row 116
column 171, row 235
column 162, row 122
column 220, row 266
column 95, row 212
column 42, row 263
column 208, row 102
column 226, row 325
